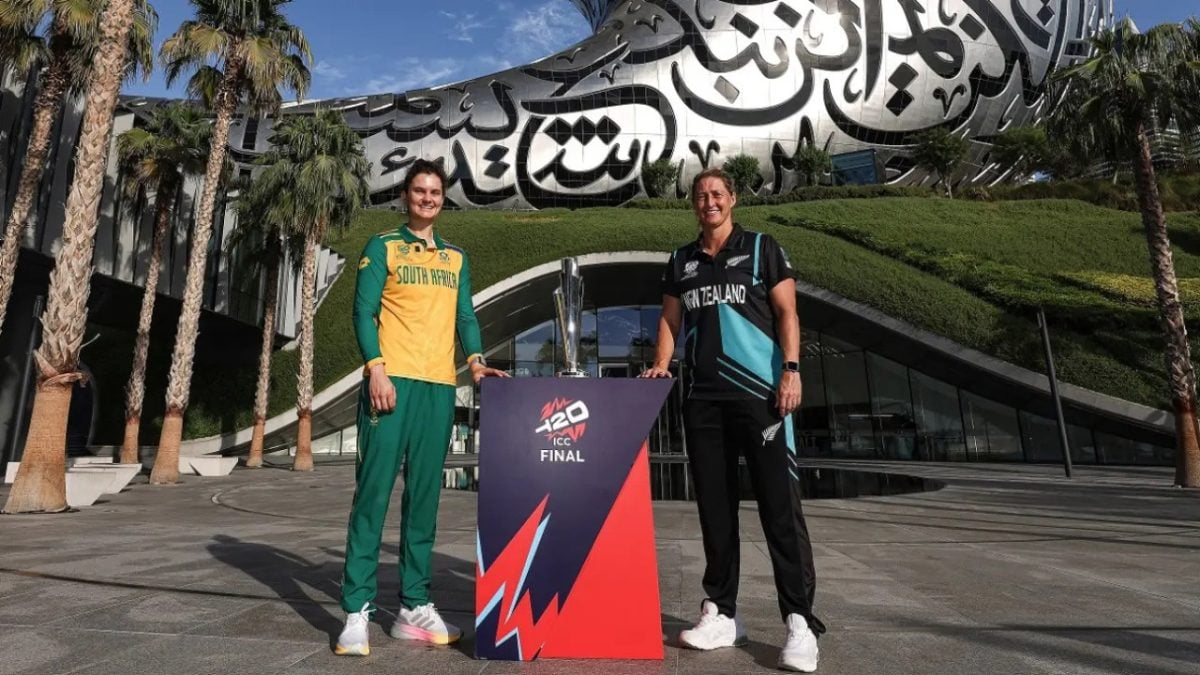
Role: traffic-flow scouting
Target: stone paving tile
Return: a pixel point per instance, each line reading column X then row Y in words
column 200, row 655
column 1007, row 570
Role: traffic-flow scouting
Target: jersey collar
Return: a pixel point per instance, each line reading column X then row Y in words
column 734, row 241
column 408, row 236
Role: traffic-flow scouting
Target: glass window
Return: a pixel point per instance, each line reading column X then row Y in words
column 650, row 316
column 810, row 342
column 1040, row 436
column 832, row 346
column 1083, row 446
column 938, row 419
column 620, row 332
column 814, row 409
column 891, row 407
column 536, row 344
column 993, row 432
column 1117, row 450
column 849, row 399
column 589, row 345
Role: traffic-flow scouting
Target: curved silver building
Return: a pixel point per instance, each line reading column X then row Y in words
column 699, row 81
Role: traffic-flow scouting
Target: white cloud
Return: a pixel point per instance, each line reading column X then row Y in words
column 463, row 25
column 329, row 71
column 542, row 30
column 411, row 73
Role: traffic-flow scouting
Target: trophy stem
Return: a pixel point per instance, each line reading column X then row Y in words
column 568, row 305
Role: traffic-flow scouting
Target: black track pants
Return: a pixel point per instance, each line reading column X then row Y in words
column 718, row 432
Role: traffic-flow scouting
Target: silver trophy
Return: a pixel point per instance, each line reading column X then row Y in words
column 568, row 303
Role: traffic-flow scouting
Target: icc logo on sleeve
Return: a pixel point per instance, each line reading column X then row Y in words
column 563, row 422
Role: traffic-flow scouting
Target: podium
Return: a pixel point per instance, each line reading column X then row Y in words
column 565, row 559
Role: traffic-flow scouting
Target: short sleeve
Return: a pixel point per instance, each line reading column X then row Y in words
column 670, row 281
column 775, row 264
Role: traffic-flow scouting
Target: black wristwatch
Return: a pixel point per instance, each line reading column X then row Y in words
column 791, row 366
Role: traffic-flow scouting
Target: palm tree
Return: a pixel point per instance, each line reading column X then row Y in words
column 317, row 161
column 58, row 40
column 1136, row 82
column 41, row 481
column 172, row 144
column 260, row 235
column 242, row 51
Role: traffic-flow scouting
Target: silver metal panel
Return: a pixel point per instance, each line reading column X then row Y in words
column 697, row 83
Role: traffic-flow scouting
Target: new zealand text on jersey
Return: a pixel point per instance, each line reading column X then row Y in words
column 413, row 274
column 717, row 294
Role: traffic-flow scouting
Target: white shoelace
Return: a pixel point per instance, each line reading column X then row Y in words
column 427, row 614
column 361, row 616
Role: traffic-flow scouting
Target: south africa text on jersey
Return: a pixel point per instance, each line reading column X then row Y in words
column 423, row 276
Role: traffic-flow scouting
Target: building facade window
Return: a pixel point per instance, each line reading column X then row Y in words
column 857, row 404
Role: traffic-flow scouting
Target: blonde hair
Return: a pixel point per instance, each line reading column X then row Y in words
column 712, row 173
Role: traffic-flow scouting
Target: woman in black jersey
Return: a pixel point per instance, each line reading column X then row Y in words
column 732, row 296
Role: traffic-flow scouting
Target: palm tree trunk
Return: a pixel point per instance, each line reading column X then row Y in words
column 166, row 462
column 304, row 378
column 41, row 481
column 262, row 394
column 1180, row 371
column 135, row 391
column 45, row 110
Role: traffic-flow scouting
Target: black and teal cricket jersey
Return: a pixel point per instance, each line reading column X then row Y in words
column 729, row 326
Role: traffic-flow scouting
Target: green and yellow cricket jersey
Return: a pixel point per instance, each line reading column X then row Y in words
column 409, row 301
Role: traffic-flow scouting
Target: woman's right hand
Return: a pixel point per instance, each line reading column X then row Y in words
column 381, row 390
column 655, row 372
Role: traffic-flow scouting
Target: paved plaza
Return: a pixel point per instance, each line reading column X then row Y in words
column 1008, row 569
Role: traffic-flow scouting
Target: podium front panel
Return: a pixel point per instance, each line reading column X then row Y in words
column 565, row 560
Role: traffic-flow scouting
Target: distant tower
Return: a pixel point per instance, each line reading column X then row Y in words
column 596, row 11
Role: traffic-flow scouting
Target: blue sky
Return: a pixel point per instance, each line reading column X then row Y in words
column 378, row 46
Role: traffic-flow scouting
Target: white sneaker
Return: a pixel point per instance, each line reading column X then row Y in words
column 800, row 651
column 714, row 630
column 424, row 623
column 353, row 640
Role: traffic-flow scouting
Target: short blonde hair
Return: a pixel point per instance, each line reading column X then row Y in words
column 712, row 173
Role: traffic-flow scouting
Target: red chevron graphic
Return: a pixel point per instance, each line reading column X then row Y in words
column 505, row 572
column 554, row 406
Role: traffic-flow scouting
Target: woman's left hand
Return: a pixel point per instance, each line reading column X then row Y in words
column 788, row 396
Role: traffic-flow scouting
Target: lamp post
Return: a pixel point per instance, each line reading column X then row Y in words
column 1058, row 411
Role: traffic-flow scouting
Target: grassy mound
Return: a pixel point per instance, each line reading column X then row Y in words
column 971, row 271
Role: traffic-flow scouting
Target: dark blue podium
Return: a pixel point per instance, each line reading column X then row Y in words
column 566, row 529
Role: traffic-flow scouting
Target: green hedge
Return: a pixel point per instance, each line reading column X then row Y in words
column 970, row 271
column 1179, row 192
column 801, row 194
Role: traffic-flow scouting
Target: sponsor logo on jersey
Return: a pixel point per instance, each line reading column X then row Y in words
column 771, row 432
column 690, row 270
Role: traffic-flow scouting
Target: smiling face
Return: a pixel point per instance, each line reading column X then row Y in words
column 424, row 198
column 713, row 202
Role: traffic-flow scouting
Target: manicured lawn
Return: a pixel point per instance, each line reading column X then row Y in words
column 969, row 270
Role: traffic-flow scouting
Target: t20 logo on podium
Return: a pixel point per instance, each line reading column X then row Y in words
column 563, row 421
